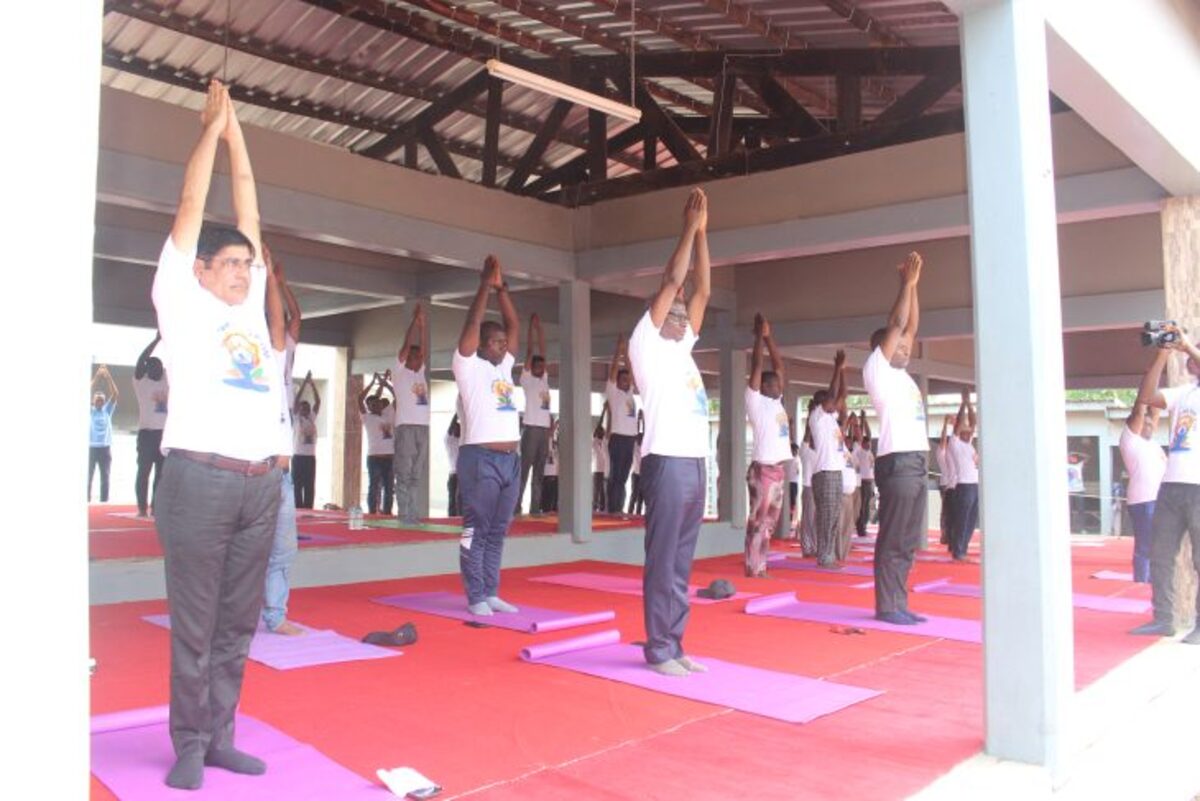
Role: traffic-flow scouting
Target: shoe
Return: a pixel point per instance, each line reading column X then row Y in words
column 1155, row 629
column 895, row 618
column 405, row 635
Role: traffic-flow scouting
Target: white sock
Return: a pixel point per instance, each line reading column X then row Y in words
column 480, row 608
column 498, row 605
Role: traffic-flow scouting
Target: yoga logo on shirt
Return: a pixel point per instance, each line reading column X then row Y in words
column 247, row 369
column 630, row 408
column 696, row 385
column 420, row 393
column 545, row 396
column 504, row 395
column 781, row 419
column 1181, row 437
column 160, row 403
column 385, row 430
column 308, row 431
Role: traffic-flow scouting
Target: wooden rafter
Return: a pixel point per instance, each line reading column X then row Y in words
column 784, row 105
column 865, row 22
column 576, row 168
column 720, row 131
column 662, row 124
column 917, row 100
column 437, row 152
column 491, row 131
column 813, row 62
column 537, row 148
column 431, row 116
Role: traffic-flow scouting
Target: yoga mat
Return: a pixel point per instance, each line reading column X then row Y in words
column 1098, row 603
column 131, row 516
column 530, row 619
column 316, row 647
column 786, row 605
column 439, row 528
column 132, row 757
column 782, row 696
column 846, row 570
column 1113, row 575
column 313, row 538
column 622, row 585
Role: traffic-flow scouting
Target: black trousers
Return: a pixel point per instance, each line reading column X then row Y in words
column 864, row 512
column 902, row 504
column 966, row 517
column 636, row 501
column 452, row 493
column 304, row 477
column 620, row 462
column 379, row 484
column 99, row 456
column 599, row 488
column 549, row 494
column 149, row 457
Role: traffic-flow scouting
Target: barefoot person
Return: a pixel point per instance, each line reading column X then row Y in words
column 489, row 466
column 100, row 430
column 219, row 495
column 151, row 390
column 772, row 449
column 535, row 431
column 675, row 443
column 412, row 418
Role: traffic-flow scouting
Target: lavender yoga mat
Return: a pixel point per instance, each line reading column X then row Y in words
column 131, row 753
column 782, row 696
column 622, row 585
column 317, row 647
column 1113, row 575
column 315, row 538
column 1098, row 603
column 530, row 619
column 787, row 563
column 787, row 605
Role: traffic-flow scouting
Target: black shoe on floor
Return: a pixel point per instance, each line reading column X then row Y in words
column 1154, row 629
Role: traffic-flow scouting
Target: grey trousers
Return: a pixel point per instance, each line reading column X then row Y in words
column 827, row 498
column 808, row 514
column 1176, row 512
column 903, row 497
column 216, row 528
column 674, row 491
column 535, row 448
column 411, row 462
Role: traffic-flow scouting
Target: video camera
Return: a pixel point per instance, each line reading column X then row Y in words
column 1154, row 334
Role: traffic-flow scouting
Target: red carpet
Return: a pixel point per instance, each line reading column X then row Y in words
column 461, row 708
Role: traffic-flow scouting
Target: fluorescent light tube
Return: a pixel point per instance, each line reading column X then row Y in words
column 562, row 90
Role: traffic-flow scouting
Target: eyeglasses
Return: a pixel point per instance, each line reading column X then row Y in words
column 230, row 263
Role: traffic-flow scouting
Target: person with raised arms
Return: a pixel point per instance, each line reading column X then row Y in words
column 622, row 426
column 772, row 448
column 151, row 390
column 535, row 429
column 379, row 423
column 830, row 461
column 411, row 437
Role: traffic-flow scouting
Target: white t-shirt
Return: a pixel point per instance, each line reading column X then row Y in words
column 1146, row 464
column 487, row 396
column 225, row 394
column 897, row 401
column 285, row 417
column 791, row 470
column 304, row 442
column 412, row 395
column 452, row 444
column 946, row 466
column 865, row 460
column 379, row 427
column 674, row 401
column 772, row 437
column 1183, row 449
column 962, row 454
column 849, row 477
column 808, row 461
column 152, row 402
column 537, row 399
column 622, row 410
column 827, row 440
column 551, row 467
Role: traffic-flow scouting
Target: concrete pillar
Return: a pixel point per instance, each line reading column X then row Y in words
column 1181, row 281
column 731, row 455
column 1106, row 481
column 1028, row 660
column 346, row 430
column 574, row 409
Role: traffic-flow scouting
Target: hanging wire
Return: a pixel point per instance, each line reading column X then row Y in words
column 225, row 61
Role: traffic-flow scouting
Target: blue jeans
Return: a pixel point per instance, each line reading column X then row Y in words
column 488, row 483
column 283, row 553
column 1143, row 530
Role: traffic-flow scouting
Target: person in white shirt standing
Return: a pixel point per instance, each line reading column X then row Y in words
column 946, row 480
column 535, row 429
column 829, row 463
column 452, row 443
column 636, row 501
column 412, row 417
column 151, row 389
column 808, row 506
column 1146, row 463
column 489, row 467
column 100, row 430
column 599, row 465
column 1177, row 507
column 851, row 484
column 675, row 443
column 379, row 423
column 304, row 444
column 791, row 474
column 772, row 449
column 622, row 426
column 966, row 479
column 219, row 495
column 900, row 466
column 550, row 476
column 865, row 462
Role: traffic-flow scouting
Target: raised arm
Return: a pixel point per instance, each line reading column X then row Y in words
column 276, row 322
column 619, row 355
column 241, row 179
column 316, row 395
column 947, row 427
column 960, row 420
column 902, row 322
column 508, row 312
column 143, row 360
column 536, row 346
column 864, row 424
column 362, row 396
column 385, row 385
column 197, row 175
column 776, row 359
column 1136, row 418
column 300, row 390
column 113, row 392
column 412, row 336
column 289, row 298
column 677, row 267
column 468, row 340
column 605, row 422
column 702, row 288
column 756, row 355
column 831, row 401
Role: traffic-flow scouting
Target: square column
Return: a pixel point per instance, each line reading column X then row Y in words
column 575, row 409
column 731, row 453
column 1028, row 640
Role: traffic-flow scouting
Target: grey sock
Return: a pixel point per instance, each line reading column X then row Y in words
column 499, row 605
column 482, row 609
column 235, row 761
column 669, row 668
column 187, row 773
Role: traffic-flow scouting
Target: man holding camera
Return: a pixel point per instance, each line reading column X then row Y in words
column 1177, row 509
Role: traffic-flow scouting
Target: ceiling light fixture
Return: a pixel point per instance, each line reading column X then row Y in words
column 532, row 80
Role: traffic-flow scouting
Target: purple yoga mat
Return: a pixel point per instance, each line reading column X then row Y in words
column 305, row 536
column 622, row 585
column 786, row 605
column 132, row 760
column 782, row 696
column 317, row 647
column 1113, row 575
column 1098, row 603
column 530, row 619
column 846, row 570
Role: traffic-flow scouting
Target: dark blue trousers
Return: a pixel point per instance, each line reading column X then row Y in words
column 1143, row 531
column 488, row 484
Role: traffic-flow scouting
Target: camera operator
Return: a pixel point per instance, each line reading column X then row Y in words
column 1177, row 509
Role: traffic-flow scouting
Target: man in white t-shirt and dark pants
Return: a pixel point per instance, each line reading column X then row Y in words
column 219, row 495
column 864, row 460
column 1177, row 508
column 675, row 442
column 829, row 463
column 379, row 423
column 412, row 417
column 772, row 449
column 965, row 459
column 946, row 480
column 622, row 427
column 151, row 389
column 900, row 464
column 1146, row 463
column 808, row 506
column 489, row 466
column 535, row 431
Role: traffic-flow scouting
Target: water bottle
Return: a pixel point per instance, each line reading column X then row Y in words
column 356, row 518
